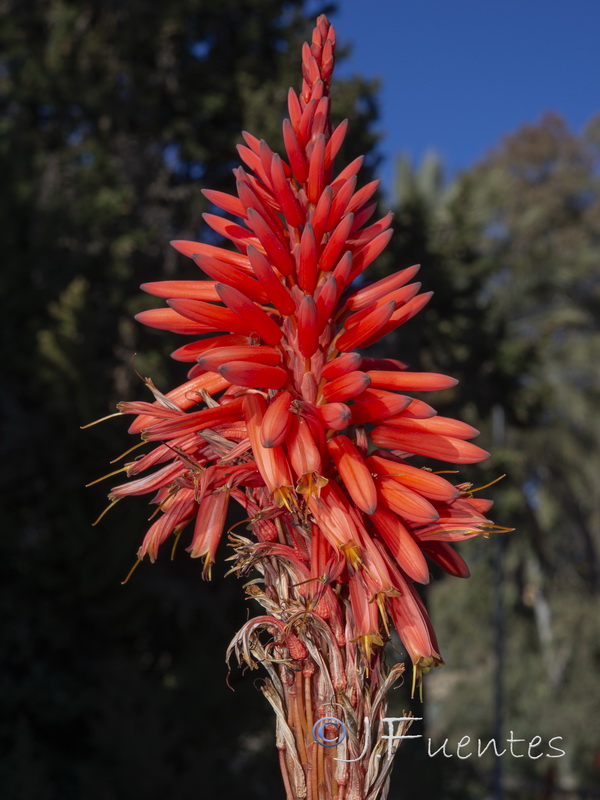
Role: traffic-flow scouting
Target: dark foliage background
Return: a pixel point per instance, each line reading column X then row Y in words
column 114, row 116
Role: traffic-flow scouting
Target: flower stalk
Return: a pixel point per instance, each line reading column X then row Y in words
column 324, row 449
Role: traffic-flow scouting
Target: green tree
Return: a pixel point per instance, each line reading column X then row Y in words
column 511, row 250
column 114, row 116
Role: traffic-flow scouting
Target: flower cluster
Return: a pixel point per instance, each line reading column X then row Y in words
column 281, row 414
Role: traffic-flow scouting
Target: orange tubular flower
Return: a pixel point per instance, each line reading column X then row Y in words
column 282, row 415
column 354, row 473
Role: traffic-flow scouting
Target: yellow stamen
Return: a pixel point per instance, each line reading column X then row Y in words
column 321, row 578
column 381, row 603
column 282, row 496
column 104, row 477
column 352, row 551
column 367, row 649
column 491, row 483
column 131, row 571
column 154, row 513
column 175, row 543
column 422, row 667
column 102, row 419
column 159, row 507
column 106, row 510
column 207, row 570
column 126, row 453
column 311, row 483
column 173, row 489
column 241, row 522
column 365, row 641
column 496, row 529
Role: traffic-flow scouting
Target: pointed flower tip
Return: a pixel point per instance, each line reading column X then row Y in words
column 181, row 245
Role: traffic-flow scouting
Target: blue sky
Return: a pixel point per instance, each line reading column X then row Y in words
column 460, row 74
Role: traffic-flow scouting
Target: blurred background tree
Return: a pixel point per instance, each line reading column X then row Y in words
column 114, row 116
column 511, row 250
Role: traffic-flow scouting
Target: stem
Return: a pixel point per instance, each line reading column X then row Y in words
column 335, row 789
column 284, row 774
column 319, row 674
column 321, row 765
column 308, row 702
column 299, row 719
